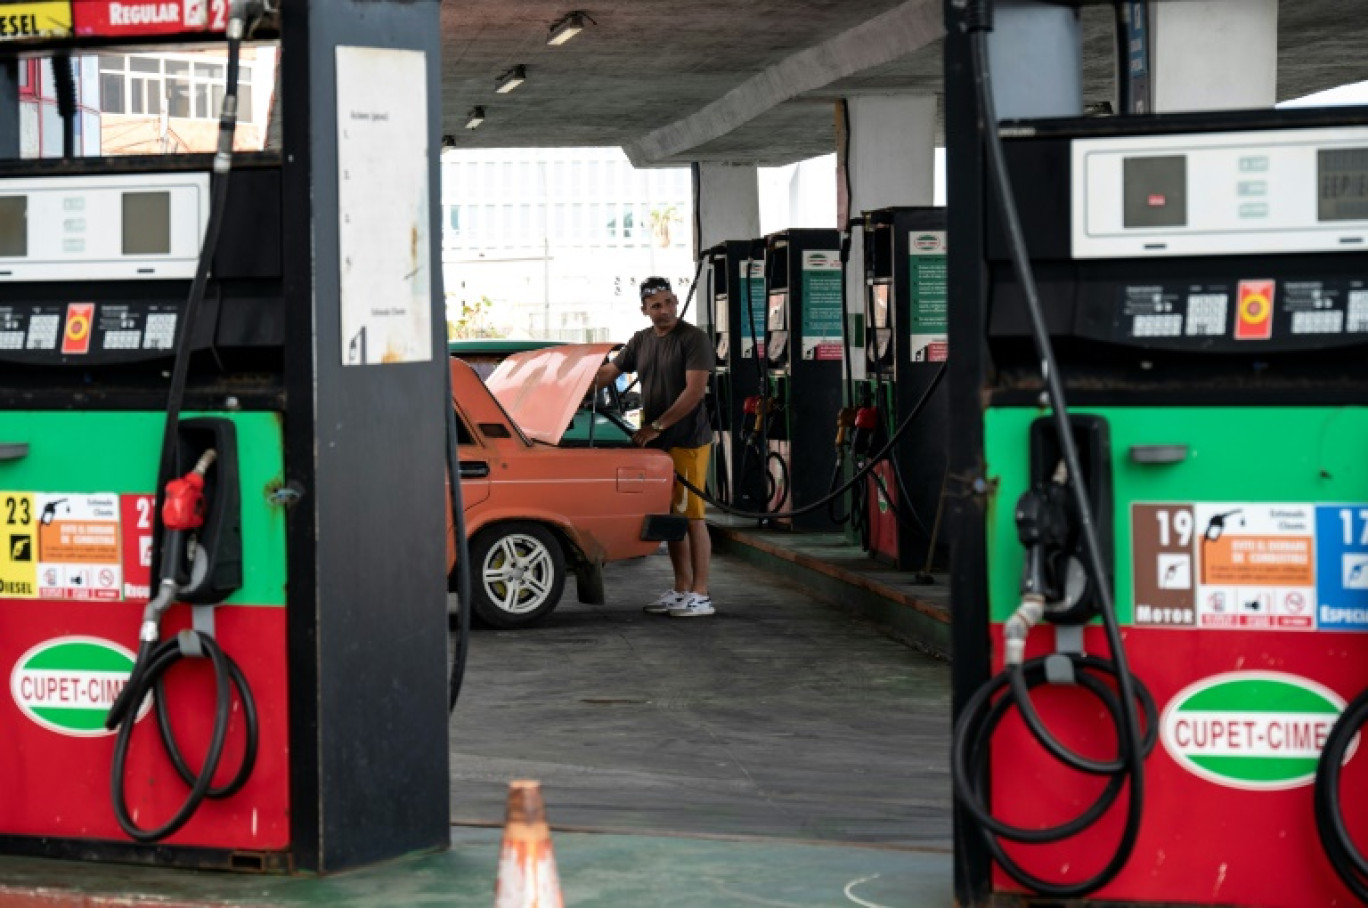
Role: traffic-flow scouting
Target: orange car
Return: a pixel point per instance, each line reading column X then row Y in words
column 549, row 485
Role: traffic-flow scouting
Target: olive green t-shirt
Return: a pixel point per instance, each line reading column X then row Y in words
column 661, row 363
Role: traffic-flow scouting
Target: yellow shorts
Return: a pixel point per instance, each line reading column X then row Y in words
column 692, row 464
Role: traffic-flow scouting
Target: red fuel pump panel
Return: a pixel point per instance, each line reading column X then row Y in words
column 1228, row 816
column 67, row 661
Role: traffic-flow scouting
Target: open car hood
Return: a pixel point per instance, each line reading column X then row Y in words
column 542, row 389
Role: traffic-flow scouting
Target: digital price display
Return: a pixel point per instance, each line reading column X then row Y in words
column 1342, row 178
column 146, row 223
column 102, row 227
column 13, row 225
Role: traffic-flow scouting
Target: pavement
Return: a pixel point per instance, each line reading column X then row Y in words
column 781, row 752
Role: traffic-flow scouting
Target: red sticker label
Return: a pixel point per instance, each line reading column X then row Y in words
column 1254, row 312
column 135, row 512
column 168, row 17
column 80, row 319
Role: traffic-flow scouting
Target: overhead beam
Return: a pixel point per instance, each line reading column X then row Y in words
column 888, row 36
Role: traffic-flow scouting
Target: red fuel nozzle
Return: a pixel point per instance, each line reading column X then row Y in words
column 867, row 418
column 751, row 405
column 183, row 508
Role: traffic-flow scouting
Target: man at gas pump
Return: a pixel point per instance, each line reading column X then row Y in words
column 674, row 359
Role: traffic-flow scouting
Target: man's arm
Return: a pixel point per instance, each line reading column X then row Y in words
column 606, row 375
column 695, row 386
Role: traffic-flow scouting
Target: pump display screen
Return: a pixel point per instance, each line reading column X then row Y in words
column 778, row 311
column 878, row 297
column 1342, row 179
column 14, row 225
column 146, row 223
column 1155, row 191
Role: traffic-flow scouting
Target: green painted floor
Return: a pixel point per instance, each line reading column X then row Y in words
column 598, row 870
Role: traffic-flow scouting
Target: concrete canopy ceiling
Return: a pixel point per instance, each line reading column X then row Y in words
column 754, row 81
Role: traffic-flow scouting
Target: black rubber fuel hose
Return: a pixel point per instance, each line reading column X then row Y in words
column 1131, row 747
column 836, row 493
column 1345, row 857
column 154, row 659
column 161, row 659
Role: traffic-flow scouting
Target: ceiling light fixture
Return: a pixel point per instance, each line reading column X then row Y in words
column 475, row 117
column 568, row 27
column 510, row 80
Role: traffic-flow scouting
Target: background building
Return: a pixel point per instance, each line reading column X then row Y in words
column 40, row 125
column 152, row 103
column 164, row 103
column 551, row 243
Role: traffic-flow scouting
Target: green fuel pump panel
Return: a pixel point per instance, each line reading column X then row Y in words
column 328, row 567
column 1203, row 287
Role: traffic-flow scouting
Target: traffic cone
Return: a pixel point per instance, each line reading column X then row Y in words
column 527, row 866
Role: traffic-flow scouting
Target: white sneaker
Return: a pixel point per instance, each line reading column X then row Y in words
column 695, row 605
column 670, row 599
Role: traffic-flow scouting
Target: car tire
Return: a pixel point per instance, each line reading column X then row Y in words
column 518, row 576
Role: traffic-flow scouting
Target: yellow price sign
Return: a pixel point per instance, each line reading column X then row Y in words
column 34, row 21
column 18, row 544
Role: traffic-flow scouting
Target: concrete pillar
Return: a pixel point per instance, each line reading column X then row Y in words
column 1035, row 52
column 1214, row 54
column 9, row 108
column 891, row 161
column 728, row 199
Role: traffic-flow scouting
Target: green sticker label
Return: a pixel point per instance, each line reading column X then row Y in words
column 67, row 685
column 1257, row 731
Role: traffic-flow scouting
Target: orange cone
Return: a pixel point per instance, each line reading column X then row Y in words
column 527, row 867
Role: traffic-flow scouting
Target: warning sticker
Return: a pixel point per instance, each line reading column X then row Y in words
column 1250, row 566
column 78, row 546
column 1257, row 565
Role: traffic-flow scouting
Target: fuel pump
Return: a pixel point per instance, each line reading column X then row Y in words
column 736, row 295
column 1158, row 490
column 905, row 337
column 803, row 356
column 210, row 543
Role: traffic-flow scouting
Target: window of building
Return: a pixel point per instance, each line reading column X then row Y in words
column 560, row 229
column 140, row 84
column 524, row 237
